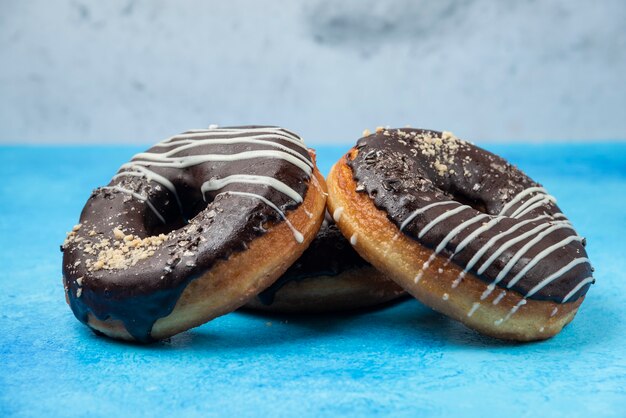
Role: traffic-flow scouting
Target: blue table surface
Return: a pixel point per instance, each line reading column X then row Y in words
column 401, row 360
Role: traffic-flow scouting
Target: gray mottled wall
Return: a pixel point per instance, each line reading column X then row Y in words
column 139, row 70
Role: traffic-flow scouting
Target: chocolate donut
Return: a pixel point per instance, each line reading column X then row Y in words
column 329, row 276
column 192, row 229
column 463, row 231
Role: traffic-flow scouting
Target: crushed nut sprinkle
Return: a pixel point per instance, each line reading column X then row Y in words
column 121, row 253
column 442, row 149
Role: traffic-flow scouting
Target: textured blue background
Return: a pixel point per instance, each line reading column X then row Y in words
column 401, row 360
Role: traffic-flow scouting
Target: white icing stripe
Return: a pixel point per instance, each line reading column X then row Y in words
column 220, row 133
column 527, row 246
column 296, row 234
column 139, row 197
column 354, row 239
column 272, row 129
column 337, row 214
column 422, row 210
column 577, row 288
column 216, row 131
column 497, row 237
column 192, row 160
column 511, row 312
column 215, row 184
column 556, row 275
column 543, row 254
column 517, row 239
column 447, row 239
column 150, row 176
column 440, row 218
column 536, row 205
column 185, row 145
column 456, row 231
column 520, row 196
column 475, row 306
column 529, row 202
column 499, row 298
column 475, row 234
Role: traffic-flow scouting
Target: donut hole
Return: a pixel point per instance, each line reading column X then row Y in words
column 158, row 227
column 476, row 203
column 175, row 216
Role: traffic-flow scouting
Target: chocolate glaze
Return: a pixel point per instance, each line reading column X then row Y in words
column 140, row 294
column 329, row 254
column 407, row 170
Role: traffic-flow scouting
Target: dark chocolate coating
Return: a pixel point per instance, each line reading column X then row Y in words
column 329, row 254
column 223, row 224
column 403, row 171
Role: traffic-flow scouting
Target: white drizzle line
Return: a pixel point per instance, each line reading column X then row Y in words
column 215, row 184
column 296, row 234
column 206, row 137
column 474, row 308
column 499, row 297
column 150, row 176
column 273, row 129
column 503, row 247
column 519, row 253
column 137, row 196
column 198, row 133
column 540, row 257
column 445, row 242
column 189, row 144
column 160, row 160
column 497, row 237
column 488, row 244
column 523, row 250
column 546, row 282
column 456, row 231
column 354, row 239
column 474, row 234
column 466, row 241
column 520, row 196
column 529, row 202
column 556, row 275
column 337, row 214
column 510, row 313
column 440, row 218
column 576, row 289
column 422, row 210
column 536, row 205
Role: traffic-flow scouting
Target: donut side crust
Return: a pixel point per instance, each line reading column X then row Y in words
column 352, row 289
column 219, row 290
column 382, row 244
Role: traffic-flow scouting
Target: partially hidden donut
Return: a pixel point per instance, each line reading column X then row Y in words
column 192, row 229
column 329, row 276
column 463, row 231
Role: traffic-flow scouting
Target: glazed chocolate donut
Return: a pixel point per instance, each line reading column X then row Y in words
column 329, row 276
column 192, row 229
column 463, row 231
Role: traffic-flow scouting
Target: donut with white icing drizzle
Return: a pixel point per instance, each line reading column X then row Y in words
column 192, row 229
column 329, row 276
column 463, row 231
